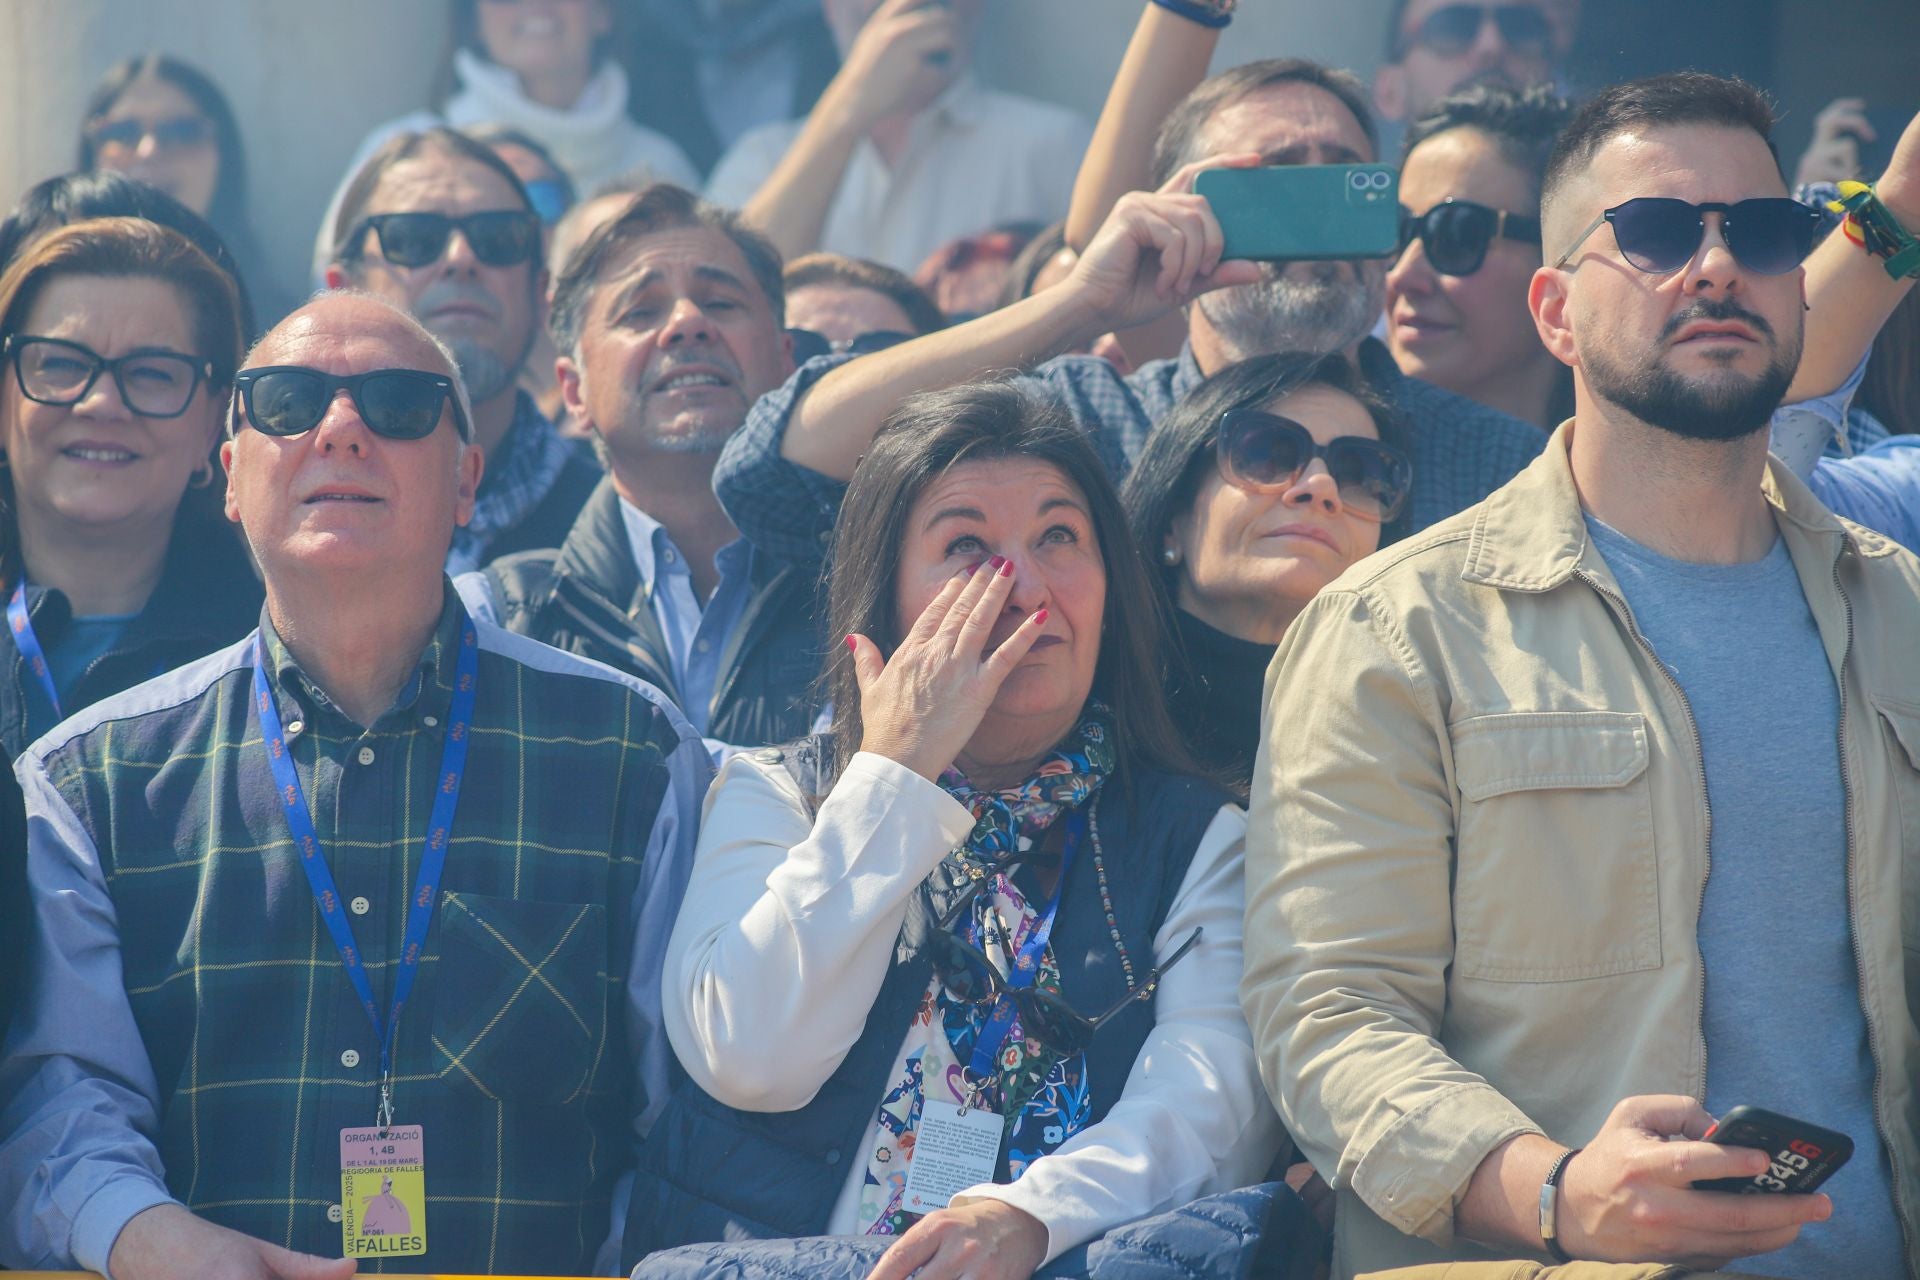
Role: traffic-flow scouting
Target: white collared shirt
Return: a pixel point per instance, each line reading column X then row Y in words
column 975, row 159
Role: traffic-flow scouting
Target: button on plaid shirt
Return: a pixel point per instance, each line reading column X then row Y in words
column 190, row 1032
column 1462, row 451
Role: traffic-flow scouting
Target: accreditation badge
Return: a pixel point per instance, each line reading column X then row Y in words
column 383, row 1192
column 954, row 1147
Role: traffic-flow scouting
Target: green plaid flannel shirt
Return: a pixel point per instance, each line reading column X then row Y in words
column 217, row 1061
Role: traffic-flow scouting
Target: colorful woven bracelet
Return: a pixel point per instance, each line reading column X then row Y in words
column 1872, row 226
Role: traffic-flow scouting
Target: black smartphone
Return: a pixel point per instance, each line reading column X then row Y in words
column 1802, row 1155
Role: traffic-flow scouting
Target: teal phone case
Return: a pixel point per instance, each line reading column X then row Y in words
column 1305, row 212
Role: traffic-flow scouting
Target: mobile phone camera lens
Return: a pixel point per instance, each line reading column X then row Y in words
column 1381, row 179
column 1358, row 181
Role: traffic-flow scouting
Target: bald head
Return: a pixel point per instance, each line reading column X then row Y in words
column 335, row 316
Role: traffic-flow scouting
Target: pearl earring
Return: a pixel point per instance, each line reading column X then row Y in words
column 1170, row 555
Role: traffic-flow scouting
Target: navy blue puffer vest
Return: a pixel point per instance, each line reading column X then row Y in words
column 711, row 1172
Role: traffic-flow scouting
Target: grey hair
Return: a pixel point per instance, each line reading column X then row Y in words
column 407, row 320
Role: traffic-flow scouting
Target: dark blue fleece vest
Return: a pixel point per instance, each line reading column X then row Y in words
column 711, row 1172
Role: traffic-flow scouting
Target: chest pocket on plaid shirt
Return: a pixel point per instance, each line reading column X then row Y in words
column 520, row 1015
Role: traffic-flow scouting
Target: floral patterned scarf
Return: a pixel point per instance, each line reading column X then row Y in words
column 1044, row 1098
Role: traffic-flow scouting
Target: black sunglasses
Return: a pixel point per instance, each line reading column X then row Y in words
column 1451, row 30
column 399, row 404
column 1768, row 236
column 154, row 383
column 175, row 134
column 968, row 976
column 499, row 237
column 1456, row 233
column 1261, row 452
column 808, row 343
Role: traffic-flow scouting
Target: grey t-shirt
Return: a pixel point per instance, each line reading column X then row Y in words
column 1784, row 1026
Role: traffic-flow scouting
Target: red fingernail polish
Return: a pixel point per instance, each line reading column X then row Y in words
column 974, row 567
column 1006, row 568
column 1040, row 617
column 852, row 644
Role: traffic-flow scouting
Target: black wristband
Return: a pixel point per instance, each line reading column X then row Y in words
column 1208, row 13
column 1550, row 1205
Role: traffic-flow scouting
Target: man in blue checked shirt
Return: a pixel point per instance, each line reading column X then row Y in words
column 348, row 935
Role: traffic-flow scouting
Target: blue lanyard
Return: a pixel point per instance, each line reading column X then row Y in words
column 433, row 857
column 29, row 644
column 1026, row 962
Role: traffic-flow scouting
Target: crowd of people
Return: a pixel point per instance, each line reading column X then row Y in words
column 895, row 709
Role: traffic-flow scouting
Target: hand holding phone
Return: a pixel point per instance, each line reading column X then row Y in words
column 1305, row 212
column 1801, row 1155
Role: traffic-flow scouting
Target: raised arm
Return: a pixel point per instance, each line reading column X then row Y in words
column 1166, row 58
column 897, row 52
column 1155, row 252
column 1849, row 294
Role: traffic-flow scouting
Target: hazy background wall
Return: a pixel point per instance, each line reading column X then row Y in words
column 310, row 77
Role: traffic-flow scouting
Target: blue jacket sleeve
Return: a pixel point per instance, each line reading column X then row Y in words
column 786, row 510
column 78, row 1098
column 1879, row 489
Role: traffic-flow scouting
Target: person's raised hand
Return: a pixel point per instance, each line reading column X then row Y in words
column 1834, row 153
column 1628, row 1197
column 984, row 1240
column 899, row 58
column 1157, row 250
column 921, row 706
column 167, row 1242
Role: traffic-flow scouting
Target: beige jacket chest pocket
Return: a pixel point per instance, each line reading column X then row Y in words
column 1556, row 877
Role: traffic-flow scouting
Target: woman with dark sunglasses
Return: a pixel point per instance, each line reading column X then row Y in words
column 981, row 886
column 118, row 342
column 165, row 123
column 1470, row 242
column 1258, row 489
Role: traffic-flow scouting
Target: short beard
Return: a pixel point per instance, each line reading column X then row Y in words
column 1727, row 407
column 1330, row 310
column 703, row 440
column 484, row 372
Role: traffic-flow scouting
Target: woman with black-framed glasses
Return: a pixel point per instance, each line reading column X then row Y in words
column 1261, row 486
column 1469, row 245
column 118, row 342
column 990, row 922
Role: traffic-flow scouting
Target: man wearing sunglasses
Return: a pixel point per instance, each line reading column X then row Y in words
column 668, row 321
column 1435, row 47
column 439, row 225
column 378, row 872
column 1584, row 821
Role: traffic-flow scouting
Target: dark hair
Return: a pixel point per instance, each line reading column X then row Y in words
column 859, row 273
column 1030, row 261
column 1180, row 131
column 1523, row 124
column 228, row 209
column 77, row 197
column 1891, row 389
column 495, row 136
column 125, row 248
column 407, row 146
column 1662, row 101
column 661, row 207
column 923, row 438
column 1179, row 452
column 948, row 272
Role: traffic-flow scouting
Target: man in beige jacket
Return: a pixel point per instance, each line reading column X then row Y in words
column 1613, row 774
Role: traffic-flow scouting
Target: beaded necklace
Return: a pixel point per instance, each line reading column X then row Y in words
column 1106, row 896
